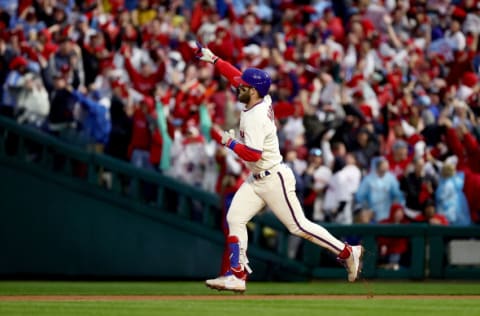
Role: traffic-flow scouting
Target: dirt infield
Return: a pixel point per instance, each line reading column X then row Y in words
column 227, row 296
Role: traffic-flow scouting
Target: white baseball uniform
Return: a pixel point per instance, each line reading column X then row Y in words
column 271, row 183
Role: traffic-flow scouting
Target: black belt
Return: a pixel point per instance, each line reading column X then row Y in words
column 260, row 175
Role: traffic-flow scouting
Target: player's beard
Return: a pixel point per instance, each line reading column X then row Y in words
column 244, row 97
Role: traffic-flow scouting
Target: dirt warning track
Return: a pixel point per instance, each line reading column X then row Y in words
column 226, row 296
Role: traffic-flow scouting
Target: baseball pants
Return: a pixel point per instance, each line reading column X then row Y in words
column 277, row 191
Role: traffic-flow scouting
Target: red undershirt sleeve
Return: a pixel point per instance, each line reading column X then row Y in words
column 244, row 152
column 228, row 71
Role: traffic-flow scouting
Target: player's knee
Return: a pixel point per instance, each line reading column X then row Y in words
column 232, row 219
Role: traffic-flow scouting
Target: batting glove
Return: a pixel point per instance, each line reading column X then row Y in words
column 228, row 137
column 205, row 54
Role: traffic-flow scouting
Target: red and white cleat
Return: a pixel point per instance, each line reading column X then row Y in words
column 227, row 283
column 354, row 262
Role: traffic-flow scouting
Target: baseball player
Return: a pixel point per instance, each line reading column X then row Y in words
column 270, row 183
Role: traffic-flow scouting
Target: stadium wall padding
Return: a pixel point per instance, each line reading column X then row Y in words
column 46, row 228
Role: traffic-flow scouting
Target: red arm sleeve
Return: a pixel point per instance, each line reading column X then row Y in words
column 454, row 143
column 160, row 73
column 246, row 153
column 132, row 72
column 231, row 13
column 228, row 71
column 186, row 51
column 196, row 18
column 243, row 151
column 310, row 198
column 470, row 143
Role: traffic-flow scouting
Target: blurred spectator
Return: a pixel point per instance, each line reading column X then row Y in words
column 121, row 121
column 399, row 159
column 418, row 186
column 466, row 148
column 62, row 103
column 316, row 178
column 338, row 204
column 67, row 60
column 191, row 157
column 298, row 166
column 145, row 78
column 191, row 161
column 449, row 197
column 142, row 128
column 429, row 215
column 93, row 119
column 143, row 14
column 33, row 104
column 378, row 191
column 364, row 147
column 14, row 85
column 393, row 250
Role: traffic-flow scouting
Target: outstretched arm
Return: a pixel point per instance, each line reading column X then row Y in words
column 226, row 69
column 471, row 144
column 454, row 143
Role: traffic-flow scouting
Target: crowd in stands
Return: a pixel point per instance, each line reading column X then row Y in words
column 377, row 103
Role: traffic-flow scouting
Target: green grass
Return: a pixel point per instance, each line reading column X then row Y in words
column 265, row 288
column 348, row 307
column 244, row 305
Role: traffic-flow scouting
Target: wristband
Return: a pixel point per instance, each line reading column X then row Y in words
column 231, row 143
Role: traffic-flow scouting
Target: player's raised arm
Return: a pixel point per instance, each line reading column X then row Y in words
column 226, row 69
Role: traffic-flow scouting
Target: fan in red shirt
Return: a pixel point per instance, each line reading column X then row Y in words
column 141, row 128
column 393, row 250
column 145, row 80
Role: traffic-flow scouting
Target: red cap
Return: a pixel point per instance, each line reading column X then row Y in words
column 396, row 206
column 358, row 94
column 367, row 111
column 355, row 81
column 469, row 79
column 459, row 13
column 368, row 27
column 18, row 62
column 46, row 33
